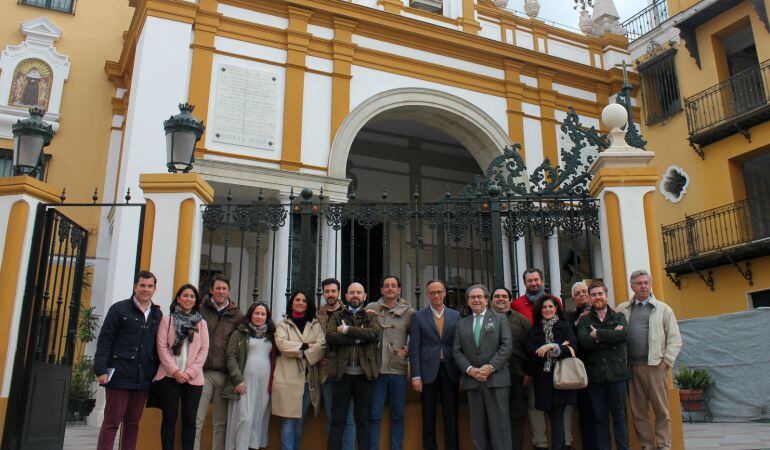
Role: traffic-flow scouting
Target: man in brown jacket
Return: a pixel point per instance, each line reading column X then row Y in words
column 352, row 335
column 221, row 315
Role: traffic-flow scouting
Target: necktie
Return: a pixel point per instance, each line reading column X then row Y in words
column 477, row 328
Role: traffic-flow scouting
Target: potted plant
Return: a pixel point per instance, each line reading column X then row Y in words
column 81, row 398
column 692, row 383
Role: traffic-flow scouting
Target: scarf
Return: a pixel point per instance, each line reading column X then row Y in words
column 548, row 329
column 185, row 326
column 532, row 298
column 258, row 331
column 299, row 320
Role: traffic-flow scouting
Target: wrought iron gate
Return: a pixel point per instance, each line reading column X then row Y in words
column 46, row 340
column 483, row 234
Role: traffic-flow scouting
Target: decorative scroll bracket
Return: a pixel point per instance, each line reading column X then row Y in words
column 674, row 279
column 708, row 279
column 746, row 274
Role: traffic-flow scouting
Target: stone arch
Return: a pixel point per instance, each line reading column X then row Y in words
column 465, row 122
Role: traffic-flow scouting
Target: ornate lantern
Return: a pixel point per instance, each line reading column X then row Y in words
column 182, row 132
column 29, row 137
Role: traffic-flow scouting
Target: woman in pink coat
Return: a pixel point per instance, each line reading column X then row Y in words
column 183, row 343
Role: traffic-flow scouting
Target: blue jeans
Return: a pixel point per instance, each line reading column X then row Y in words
column 396, row 386
column 349, row 438
column 291, row 429
column 609, row 399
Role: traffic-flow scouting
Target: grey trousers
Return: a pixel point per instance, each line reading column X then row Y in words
column 213, row 383
column 489, row 417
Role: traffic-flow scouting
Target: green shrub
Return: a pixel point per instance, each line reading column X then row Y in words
column 693, row 379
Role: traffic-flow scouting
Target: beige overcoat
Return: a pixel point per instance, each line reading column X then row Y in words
column 294, row 368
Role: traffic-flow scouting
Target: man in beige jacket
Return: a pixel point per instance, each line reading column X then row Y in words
column 653, row 345
column 395, row 316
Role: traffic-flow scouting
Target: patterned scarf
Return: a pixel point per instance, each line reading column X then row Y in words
column 185, row 326
column 548, row 329
column 258, row 331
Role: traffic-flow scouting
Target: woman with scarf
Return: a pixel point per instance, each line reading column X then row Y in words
column 549, row 340
column 182, row 343
column 301, row 345
column 250, row 363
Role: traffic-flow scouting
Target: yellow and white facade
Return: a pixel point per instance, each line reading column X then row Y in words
column 723, row 267
column 318, row 72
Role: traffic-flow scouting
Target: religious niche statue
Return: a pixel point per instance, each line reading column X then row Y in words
column 31, row 84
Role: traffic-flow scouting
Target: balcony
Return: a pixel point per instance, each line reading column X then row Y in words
column 730, row 107
column 646, row 20
column 725, row 235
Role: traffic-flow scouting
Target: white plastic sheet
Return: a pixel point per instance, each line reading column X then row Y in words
column 734, row 349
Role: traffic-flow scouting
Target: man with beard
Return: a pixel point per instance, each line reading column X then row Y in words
column 352, row 335
column 533, row 281
column 586, row 416
column 331, row 292
column 395, row 316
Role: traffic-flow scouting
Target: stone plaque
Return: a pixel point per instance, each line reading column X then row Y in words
column 246, row 109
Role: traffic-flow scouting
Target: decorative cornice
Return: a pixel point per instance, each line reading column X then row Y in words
column 622, row 177
column 25, row 185
column 166, row 183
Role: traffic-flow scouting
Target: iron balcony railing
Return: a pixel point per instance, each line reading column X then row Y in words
column 646, row 20
column 737, row 98
column 722, row 231
column 58, row 5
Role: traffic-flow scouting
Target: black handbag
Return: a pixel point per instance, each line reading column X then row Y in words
column 153, row 397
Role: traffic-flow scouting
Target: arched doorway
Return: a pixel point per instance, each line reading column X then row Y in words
column 413, row 149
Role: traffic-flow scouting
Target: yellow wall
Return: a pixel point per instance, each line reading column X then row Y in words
column 714, row 181
column 91, row 36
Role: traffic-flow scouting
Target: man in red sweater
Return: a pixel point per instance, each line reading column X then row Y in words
column 533, row 281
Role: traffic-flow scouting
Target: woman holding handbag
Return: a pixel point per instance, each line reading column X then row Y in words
column 183, row 343
column 297, row 384
column 549, row 340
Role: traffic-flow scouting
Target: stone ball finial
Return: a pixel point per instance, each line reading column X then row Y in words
column 614, row 116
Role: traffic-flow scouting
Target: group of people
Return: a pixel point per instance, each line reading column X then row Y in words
column 356, row 356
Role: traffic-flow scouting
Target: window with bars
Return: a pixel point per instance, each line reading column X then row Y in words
column 66, row 6
column 660, row 87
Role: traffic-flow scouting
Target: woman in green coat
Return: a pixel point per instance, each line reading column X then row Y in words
column 250, row 364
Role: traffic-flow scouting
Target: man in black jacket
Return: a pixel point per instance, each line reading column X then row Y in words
column 126, row 361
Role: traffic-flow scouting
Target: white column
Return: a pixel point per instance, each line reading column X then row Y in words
column 507, row 261
column 521, row 260
column 160, row 80
column 596, row 254
column 554, row 268
column 281, row 256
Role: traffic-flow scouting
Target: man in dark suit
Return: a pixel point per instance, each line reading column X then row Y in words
column 434, row 373
column 481, row 351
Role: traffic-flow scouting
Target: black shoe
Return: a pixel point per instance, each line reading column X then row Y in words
column 569, row 447
column 541, row 448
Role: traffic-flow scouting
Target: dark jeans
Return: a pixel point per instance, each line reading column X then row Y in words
column 586, row 418
column 170, row 394
column 448, row 391
column 517, row 405
column 556, row 415
column 360, row 390
column 123, row 406
column 609, row 399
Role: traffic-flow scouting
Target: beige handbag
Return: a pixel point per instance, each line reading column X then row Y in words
column 569, row 373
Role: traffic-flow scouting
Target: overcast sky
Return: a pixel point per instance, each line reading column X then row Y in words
column 562, row 10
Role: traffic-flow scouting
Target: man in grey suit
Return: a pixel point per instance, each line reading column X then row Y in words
column 481, row 352
column 434, row 373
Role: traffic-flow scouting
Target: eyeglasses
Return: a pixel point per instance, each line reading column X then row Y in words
column 477, row 297
column 435, row 292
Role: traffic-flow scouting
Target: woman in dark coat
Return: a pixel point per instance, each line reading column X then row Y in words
column 548, row 341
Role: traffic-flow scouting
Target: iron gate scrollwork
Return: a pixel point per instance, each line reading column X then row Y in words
column 470, row 237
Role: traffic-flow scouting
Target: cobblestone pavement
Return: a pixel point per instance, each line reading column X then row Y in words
column 698, row 436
